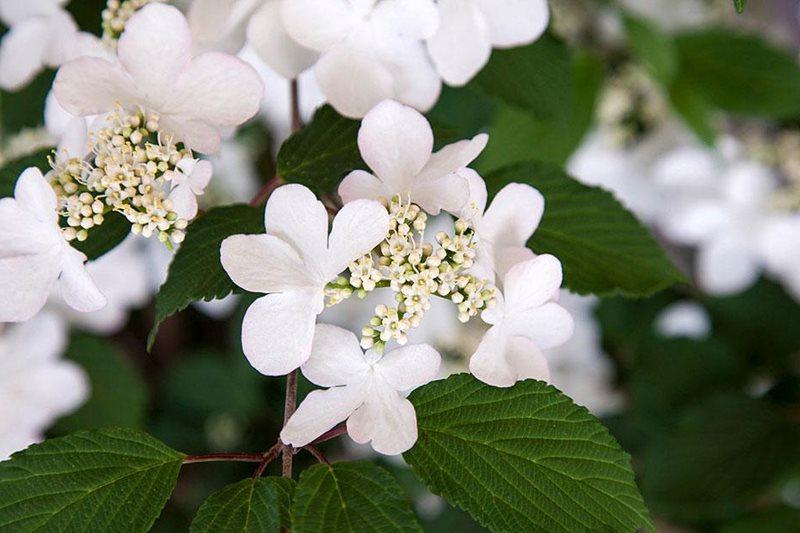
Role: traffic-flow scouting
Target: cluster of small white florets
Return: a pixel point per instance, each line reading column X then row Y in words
column 132, row 166
column 116, row 15
column 781, row 151
column 415, row 271
column 631, row 106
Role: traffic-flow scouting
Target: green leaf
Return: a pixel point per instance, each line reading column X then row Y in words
column 10, row 171
column 118, row 396
column 602, row 247
column 356, row 496
column 319, row 155
column 739, row 5
column 196, row 272
column 25, row 108
column 106, row 480
column 694, row 109
column 105, row 237
column 249, row 506
column 740, row 74
column 652, row 47
column 523, row 458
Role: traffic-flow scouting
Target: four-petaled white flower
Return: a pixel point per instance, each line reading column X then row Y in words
column 504, row 228
column 34, row 256
column 396, row 142
column 370, row 51
column 366, row 389
column 195, row 98
column 470, row 28
column 189, row 182
column 293, row 262
column 525, row 321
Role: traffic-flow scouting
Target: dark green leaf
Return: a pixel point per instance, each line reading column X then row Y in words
column 694, row 109
column 196, row 272
column 357, row 496
column 249, row 506
column 602, row 247
column 319, row 155
column 25, row 108
column 105, row 237
column 739, row 5
column 523, row 458
column 777, row 520
column 12, row 169
column 105, row 480
column 652, row 47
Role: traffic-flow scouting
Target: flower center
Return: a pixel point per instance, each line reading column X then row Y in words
column 631, row 106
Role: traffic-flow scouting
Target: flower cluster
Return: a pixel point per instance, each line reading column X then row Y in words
column 116, row 15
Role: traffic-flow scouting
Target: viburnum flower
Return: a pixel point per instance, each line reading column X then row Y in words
column 35, row 256
column 370, row 50
column 368, row 390
column 219, row 25
column 195, row 98
column 293, row 262
column 36, row 385
column 524, row 322
column 396, row 142
column 470, row 28
column 683, row 319
column 267, row 35
column 189, row 182
column 504, row 228
column 781, row 250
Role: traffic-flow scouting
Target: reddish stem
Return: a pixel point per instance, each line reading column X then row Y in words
column 288, row 410
column 294, row 98
column 331, row 434
column 267, row 457
column 233, row 456
column 313, row 450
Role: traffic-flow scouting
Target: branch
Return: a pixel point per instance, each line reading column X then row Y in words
column 313, row 450
column 331, row 434
column 288, row 410
column 214, row 457
column 267, row 457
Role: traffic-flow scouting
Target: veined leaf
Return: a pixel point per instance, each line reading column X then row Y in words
column 249, row 506
column 653, row 48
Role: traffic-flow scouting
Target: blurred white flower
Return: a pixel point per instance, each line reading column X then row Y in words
column 35, row 257
column 196, row 99
column 293, row 262
column 470, row 28
column 525, row 321
column 219, row 25
column 267, row 35
column 396, row 142
column 36, row 385
column 683, row 319
column 188, row 182
column 369, row 51
column 367, row 389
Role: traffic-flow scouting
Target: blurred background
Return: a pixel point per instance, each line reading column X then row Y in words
column 700, row 383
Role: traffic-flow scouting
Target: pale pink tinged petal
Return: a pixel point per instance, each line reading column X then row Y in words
column 726, row 266
column 21, row 233
column 386, row 419
column 195, row 134
column 516, row 22
column 361, row 185
column 461, row 47
column 36, row 195
column 184, row 202
column 507, row 256
column 57, row 388
column 688, row 170
column 22, row 52
column 218, row 24
column 318, row 24
column 62, row 39
column 780, row 244
column 295, row 215
column 336, row 358
column 25, row 283
column 14, row 11
column 514, row 215
column 453, row 158
column 526, row 359
column 75, row 140
column 77, row 287
column 320, row 411
column 408, row 367
column 449, row 192
column 396, row 142
column 548, row 325
column 415, row 80
column 358, row 228
column 489, row 363
column 38, row 340
column 263, row 263
column 749, row 184
column 483, row 267
column 353, row 80
column 155, row 48
column 696, row 222
column 278, row 330
column 56, row 118
column 219, row 89
column 200, row 176
column 90, row 86
column 409, row 19
column 476, row 205
column 269, row 39
column 532, row 283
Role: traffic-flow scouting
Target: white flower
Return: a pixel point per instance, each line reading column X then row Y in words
column 41, row 34
column 267, row 35
column 781, row 249
column 34, row 256
column 524, row 322
column 370, row 51
column 189, row 182
column 366, row 389
column 470, row 28
column 504, row 228
column 397, row 143
column 195, row 98
column 219, row 25
column 36, row 386
column 294, row 262
column 683, row 319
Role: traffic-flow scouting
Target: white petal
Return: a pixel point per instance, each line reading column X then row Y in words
column 476, row 204
column 318, row 24
column 410, row 19
column 388, row 420
column 514, row 215
column 507, row 256
column 77, row 287
column 75, row 140
column 36, row 195
column 358, row 228
column 22, row 233
column 263, row 263
column 320, row 411
column 516, row 22
column 25, row 283
column 683, row 319
column 219, row 25
column 22, row 52
column 452, row 158
column 184, row 202
column 278, row 330
column 726, row 266
column 353, row 80
column 200, row 176
column 461, row 47
column 361, row 185
column 90, row 86
column 295, row 215
column 696, row 222
column 548, row 325
column 336, row 358
column 416, row 82
column 38, row 340
column 532, row 283
column 449, row 192
column 501, row 361
column 408, row 367
column 268, row 37
column 14, row 11
column 195, row 134
column 526, row 359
